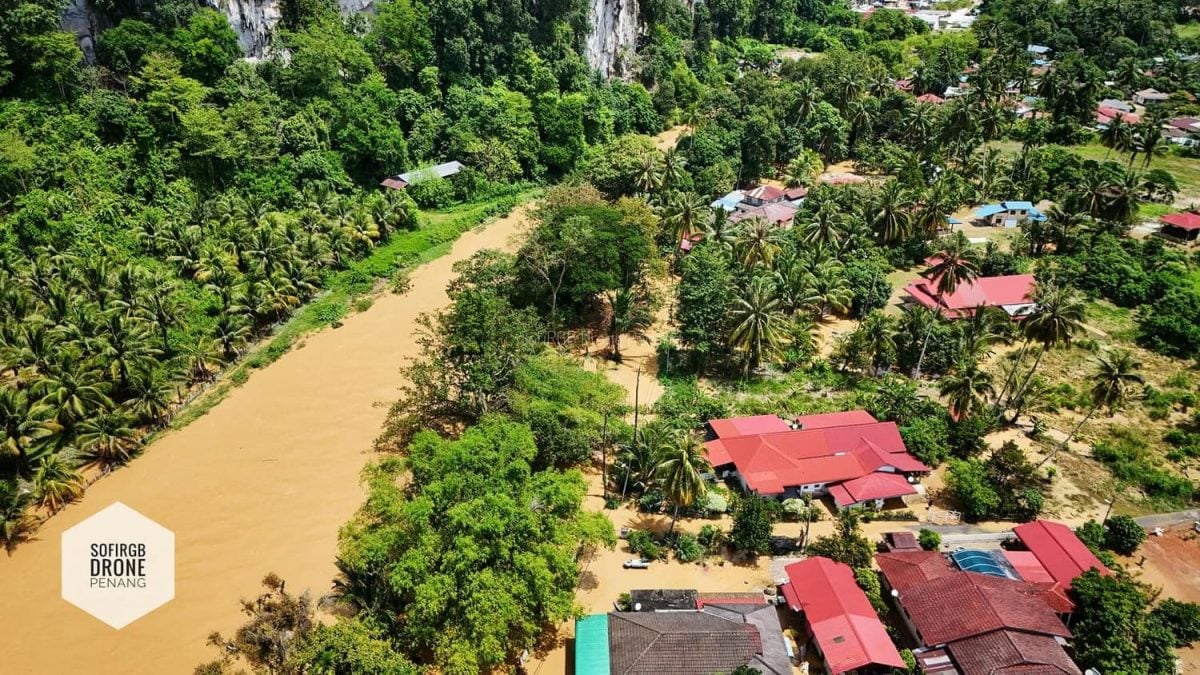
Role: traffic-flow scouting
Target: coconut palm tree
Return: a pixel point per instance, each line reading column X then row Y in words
column 649, row 177
column 757, row 242
column 632, row 314
column 151, row 394
column 23, row 426
column 56, row 481
column 673, row 168
column 162, row 307
column 685, row 215
column 639, row 461
column 1117, row 136
column 825, row 228
column 967, row 388
column 804, row 169
column 828, row 289
column 16, row 522
column 1112, row 385
column 679, row 471
column 107, row 440
column 892, row 219
column 957, row 263
column 1057, row 317
column 72, row 392
column 759, row 324
column 203, row 358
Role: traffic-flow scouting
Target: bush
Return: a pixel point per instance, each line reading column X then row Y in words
column 752, row 525
column 711, row 538
column 1123, row 535
column 1091, row 533
column 642, row 543
column 928, row 438
column 433, row 193
column 929, row 540
column 1183, row 618
column 687, row 548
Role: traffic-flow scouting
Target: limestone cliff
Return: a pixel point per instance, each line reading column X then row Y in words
column 611, row 43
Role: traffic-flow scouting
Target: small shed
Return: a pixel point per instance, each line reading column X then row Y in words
column 1182, row 227
column 403, row 180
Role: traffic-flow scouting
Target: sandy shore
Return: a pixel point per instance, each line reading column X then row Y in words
column 260, row 484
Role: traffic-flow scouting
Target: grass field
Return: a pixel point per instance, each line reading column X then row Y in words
column 1188, row 30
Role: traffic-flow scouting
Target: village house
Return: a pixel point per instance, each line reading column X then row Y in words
column 402, row 181
column 1181, row 227
column 717, row 633
column 1058, row 555
column 1008, row 214
column 1105, row 115
column 1150, row 96
column 1183, row 131
column 839, row 620
column 976, row 623
column 1012, row 293
column 848, row 456
column 777, row 206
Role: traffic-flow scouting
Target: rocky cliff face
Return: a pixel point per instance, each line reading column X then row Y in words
column 614, row 36
column 608, row 47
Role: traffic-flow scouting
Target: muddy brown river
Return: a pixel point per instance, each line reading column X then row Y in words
column 260, row 484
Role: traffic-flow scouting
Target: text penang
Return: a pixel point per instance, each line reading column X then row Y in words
column 118, row 565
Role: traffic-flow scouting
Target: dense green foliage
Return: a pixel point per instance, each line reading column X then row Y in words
column 475, row 556
column 1114, row 632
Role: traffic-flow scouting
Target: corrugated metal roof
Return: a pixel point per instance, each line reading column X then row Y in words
column 839, row 615
column 1058, row 549
column 591, row 645
column 444, row 170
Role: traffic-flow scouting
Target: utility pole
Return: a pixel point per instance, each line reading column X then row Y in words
column 637, row 390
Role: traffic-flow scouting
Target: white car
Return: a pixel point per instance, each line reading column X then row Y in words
column 636, row 564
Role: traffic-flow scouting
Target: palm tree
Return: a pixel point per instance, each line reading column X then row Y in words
column 757, row 242
column 107, row 440
column 151, row 395
column 56, row 482
column 679, row 471
column 16, row 522
column 162, row 307
column 649, row 177
column 804, row 169
column 673, row 168
column 879, row 339
column 204, row 358
column 632, row 315
column 72, row 393
column 685, row 215
column 967, row 388
column 1117, row 136
column 759, row 329
column 23, row 425
column 956, row 263
column 936, row 205
column 1116, row 376
column 640, row 460
column 892, row 220
column 1057, row 316
column 828, row 289
column 824, row 229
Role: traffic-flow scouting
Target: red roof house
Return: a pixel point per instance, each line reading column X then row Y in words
column 865, row 458
column 1185, row 226
column 747, row 426
column 1012, row 293
column 1059, row 551
column 987, row 624
column 839, row 617
column 931, row 98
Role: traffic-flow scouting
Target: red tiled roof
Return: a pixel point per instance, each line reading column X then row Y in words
column 1011, row 652
column 771, row 462
column 394, row 183
column 1184, row 221
column 905, row 569
column 878, row 485
column 1110, row 113
column 964, row 604
column 839, row 616
column 1185, row 123
column 1058, row 549
column 931, row 98
column 748, row 426
column 1014, row 289
column 835, row 419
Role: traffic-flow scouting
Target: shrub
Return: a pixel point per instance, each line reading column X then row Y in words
column 687, row 548
column 1183, row 618
column 711, row 538
column 1123, row 534
column 929, row 540
column 752, row 524
column 642, row 543
column 363, row 304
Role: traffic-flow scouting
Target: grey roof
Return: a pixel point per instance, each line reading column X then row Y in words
column 716, row 639
column 444, row 170
column 662, row 598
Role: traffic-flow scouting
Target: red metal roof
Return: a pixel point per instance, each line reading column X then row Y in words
column 1026, row 564
column 964, row 604
column 394, row 183
column 748, row 426
column 901, row 541
column 766, row 193
column 878, row 485
column 931, row 98
column 839, row 616
column 835, row 419
column 1013, row 289
column 1110, row 113
column 1058, row 550
column 1184, row 221
column 771, row 462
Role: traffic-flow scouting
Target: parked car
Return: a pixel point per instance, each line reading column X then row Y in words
column 636, row 564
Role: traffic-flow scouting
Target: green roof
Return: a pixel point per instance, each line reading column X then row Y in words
column 591, row 645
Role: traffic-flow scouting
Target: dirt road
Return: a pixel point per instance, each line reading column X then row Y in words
column 260, row 484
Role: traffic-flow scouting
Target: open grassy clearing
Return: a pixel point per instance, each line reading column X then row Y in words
column 1188, row 30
